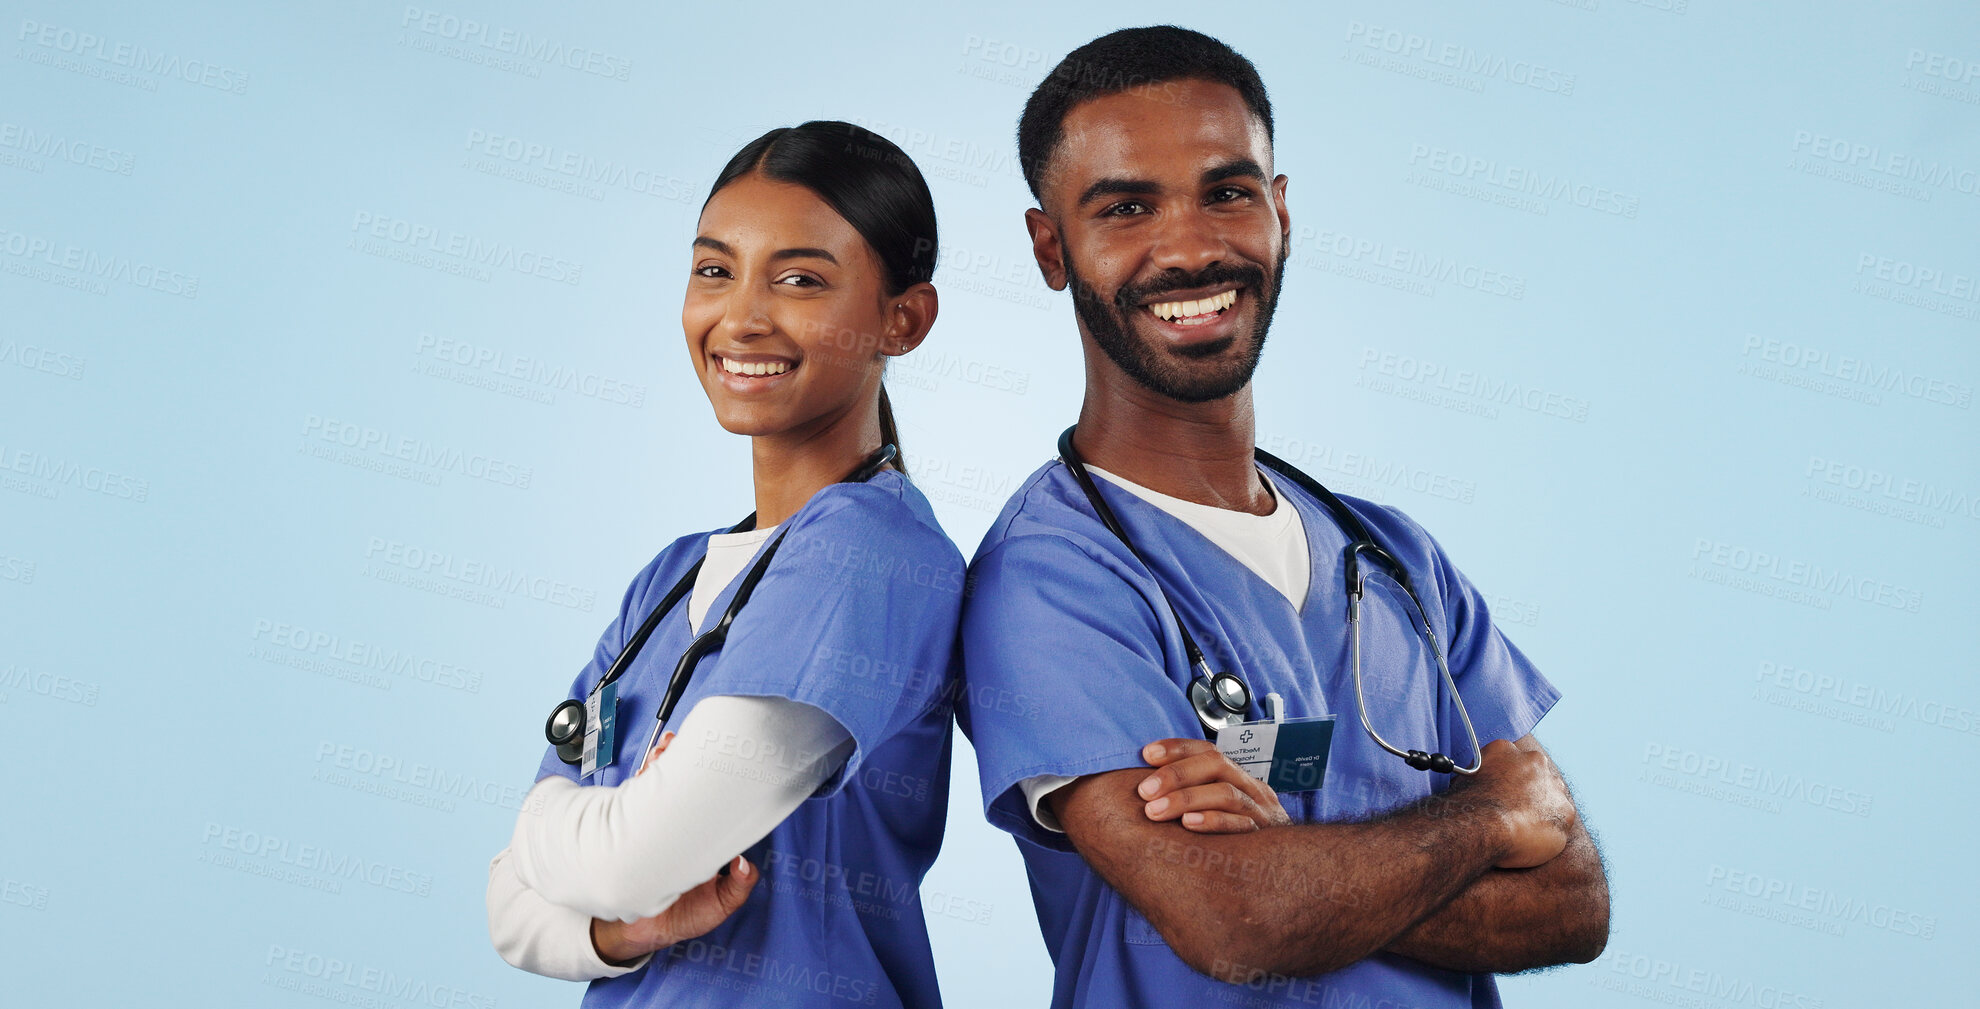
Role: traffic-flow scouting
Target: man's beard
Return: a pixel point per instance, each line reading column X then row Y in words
column 1158, row 368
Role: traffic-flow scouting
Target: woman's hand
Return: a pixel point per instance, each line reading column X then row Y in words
column 1195, row 782
column 694, row 913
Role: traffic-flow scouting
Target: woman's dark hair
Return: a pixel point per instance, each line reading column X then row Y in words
column 871, row 183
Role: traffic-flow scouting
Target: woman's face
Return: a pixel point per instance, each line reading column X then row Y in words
column 786, row 312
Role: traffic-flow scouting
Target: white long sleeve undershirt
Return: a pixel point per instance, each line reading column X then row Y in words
column 736, row 769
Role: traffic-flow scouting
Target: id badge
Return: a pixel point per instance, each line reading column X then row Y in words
column 1288, row 755
column 601, row 718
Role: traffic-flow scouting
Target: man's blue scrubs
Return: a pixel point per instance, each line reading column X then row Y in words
column 855, row 615
column 1073, row 664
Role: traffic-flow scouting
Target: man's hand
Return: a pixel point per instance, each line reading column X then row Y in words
column 1195, row 782
column 694, row 913
column 1512, row 920
column 1526, row 785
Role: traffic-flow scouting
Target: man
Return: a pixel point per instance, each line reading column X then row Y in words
column 1150, row 153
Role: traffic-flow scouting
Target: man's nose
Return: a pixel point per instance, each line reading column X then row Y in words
column 1187, row 242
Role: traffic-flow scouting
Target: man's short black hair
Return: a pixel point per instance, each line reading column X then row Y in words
column 1131, row 59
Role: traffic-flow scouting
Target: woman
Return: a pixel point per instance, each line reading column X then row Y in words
column 811, row 745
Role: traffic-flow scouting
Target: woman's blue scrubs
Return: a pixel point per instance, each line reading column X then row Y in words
column 855, row 615
column 1072, row 664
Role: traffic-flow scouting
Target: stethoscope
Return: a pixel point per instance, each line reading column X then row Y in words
column 565, row 729
column 1221, row 699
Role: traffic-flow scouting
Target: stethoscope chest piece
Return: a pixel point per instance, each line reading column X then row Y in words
column 565, row 730
column 1220, row 700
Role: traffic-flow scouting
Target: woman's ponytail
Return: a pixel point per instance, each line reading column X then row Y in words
column 889, row 434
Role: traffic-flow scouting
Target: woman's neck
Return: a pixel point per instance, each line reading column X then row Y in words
column 790, row 467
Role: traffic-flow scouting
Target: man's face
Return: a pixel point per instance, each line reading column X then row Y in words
column 1161, row 215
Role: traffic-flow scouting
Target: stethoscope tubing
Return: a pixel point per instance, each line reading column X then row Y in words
column 1360, row 541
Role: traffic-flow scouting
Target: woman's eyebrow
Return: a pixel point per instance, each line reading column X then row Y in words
column 705, row 242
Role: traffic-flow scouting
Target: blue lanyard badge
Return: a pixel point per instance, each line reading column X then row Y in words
column 1287, row 754
column 601, row 717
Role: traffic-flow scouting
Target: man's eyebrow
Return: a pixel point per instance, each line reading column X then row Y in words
column 1244, row 167
column 705, row 242
column 1117, row 187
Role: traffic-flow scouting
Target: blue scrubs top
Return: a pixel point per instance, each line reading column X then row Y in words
column 855, row 615
column 1072, row 664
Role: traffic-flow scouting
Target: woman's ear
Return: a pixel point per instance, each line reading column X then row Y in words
column 909, row 318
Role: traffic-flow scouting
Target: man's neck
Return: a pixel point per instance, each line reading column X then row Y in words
column 1198, row 452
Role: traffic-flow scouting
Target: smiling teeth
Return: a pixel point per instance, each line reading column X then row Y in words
column 735, row 367
column 1203, row 306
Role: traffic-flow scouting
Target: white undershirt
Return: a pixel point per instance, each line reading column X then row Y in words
column 728, row 554
column 1272, row 545
column 628, row 851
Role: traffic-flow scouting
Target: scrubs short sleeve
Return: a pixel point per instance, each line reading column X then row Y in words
column 1064, row 671
column 843, row 617
column 1505, row 694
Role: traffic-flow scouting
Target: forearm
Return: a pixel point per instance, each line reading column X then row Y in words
column 1293, row 900
column 627, row 852
column 1511, row 920
column 544, row 938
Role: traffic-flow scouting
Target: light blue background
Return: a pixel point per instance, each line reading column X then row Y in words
column 159, row 719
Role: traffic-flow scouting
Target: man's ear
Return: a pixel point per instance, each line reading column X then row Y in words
column 909, row 319
column 1046, row 248
column 1285, row 213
